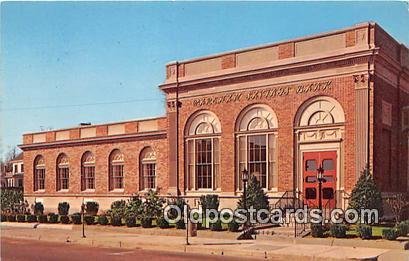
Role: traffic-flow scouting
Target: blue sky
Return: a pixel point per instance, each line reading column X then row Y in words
column 112, row 56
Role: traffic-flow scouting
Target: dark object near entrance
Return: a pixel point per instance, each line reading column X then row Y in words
column 338, row 230
column 317, row 230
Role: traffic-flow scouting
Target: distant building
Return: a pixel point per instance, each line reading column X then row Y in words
column 13, row 173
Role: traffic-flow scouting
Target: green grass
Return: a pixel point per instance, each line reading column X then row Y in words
column 376, row 231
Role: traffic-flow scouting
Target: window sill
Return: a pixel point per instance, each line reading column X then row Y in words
column 117, row 191
column 147, row 190
column 39, row 191
column 88, row 191
column 204, row 191
column 62, row 190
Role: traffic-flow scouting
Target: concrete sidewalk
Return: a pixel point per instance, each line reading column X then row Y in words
column 229, row 247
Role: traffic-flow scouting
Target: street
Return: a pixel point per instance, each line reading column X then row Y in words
column 21, row 250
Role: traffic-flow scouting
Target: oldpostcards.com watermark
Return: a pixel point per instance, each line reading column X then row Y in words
column 173, row 214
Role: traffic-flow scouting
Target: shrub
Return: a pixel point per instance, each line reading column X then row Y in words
column 103, row 220
column 403, row 228
column 3, row 217
column 53, row 218
column 116, row 221
column 64, row 219
column 217, row 226
column 365, row 231
column 180, row 224
column 255, row 196
column 117, row 211
column 146, row 222
column 130, row 221
column 21, row 218
column 63, row 208
column 398, row 203
column 133, row 208
column 153, row 205
column 38, row 208
column 390, row 233
column 89, row 220
column 11, row 218
column 317, row 230
column 180, row 203
column 338, row 230
column 76, row 218
column 162, row 223
column 233, row 226
column 366, row 195
column 42, row 218
column 91, row 208
column 209, row 202
column 31, row 218
column 9, row 198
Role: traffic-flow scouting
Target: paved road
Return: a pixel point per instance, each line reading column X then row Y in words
column 22, row 250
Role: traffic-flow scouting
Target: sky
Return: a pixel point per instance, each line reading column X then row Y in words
column 62, row 63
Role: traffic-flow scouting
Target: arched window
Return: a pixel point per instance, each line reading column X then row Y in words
column 63, row 172
column 116, row 170
column 87, row 171
column 147, row 169
column 320, row 111
column 39, row 173
column 202, row 151
column 256, row 139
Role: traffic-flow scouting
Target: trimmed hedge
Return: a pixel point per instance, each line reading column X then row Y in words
column 365, row 231
column 3, row 218
column 390, row 233
column 42, row 218
column 11, row 218
column 233, row 226
column 403, row 228
column 338, row 230
column 31, row 218
column 65, row 219
column 130, row 222
column 116, row 221
column 162, row 223
column 317, row 230
column 103, row 220
column 180, row 224
column 89, row 220
column 76, row 218
column 216, row 226
column 21, row 218
column 63, row 208
column 146, row 222
column 53, row 218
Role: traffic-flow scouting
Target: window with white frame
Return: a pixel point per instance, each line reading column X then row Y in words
column 147, row 176
column 202, row 151
column 116, row 170
column 39, row 173
column 63, row 172
column 87, row 171
column 256, row 137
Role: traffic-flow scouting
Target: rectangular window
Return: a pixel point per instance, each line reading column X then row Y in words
column 204, row 163
column 15, row 168
column 191, row 164
column 117, row 176
column 39, row 183
column 22, row 168
column 257, row 158
column 63, row 175
column 88, row 181
column 149, row 175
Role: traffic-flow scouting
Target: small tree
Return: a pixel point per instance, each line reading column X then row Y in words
column 117, row 209
column 209, row 202
column 152, row 207
column 366, row 195
column 63, row 208
column 133, row 208
column 398, row 204
column 256, row 197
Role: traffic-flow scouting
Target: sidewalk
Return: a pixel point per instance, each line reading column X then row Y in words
column 259, row 249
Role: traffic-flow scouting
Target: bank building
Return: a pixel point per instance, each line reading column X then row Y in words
column 336, row 100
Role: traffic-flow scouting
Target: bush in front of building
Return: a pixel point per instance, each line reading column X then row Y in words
column 146, row 221
column 209, row 201
column 162, row 223
column 91, row 208
column 152, row 207
column 116, row 221
column 3, row 217
column 9, row 198
column 64, row 219
column 403, row 228
column 255, row 196
column 63, row 208
column 42, row 218
column 390, row 233
column 89, row 220
column 103, row 220
column 233, row 226
column 76, row 218
column 338, row 230
column 365, row 231
column 133, row 208
column 38, row 208
column 52, row 218
column 117, row 212
column 130, row 222
column 31, row 218
column 180, row 224
column 21, row 218
column 217, row 226
column 317, row 230
column 11, row 218
column 366, row 195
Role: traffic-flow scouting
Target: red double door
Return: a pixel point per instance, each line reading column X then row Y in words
column 312, row 162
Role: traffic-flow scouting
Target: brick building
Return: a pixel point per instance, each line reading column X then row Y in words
column 338, row 100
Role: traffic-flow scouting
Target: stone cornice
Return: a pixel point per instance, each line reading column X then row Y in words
column 96, row 140
column 290, row 67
